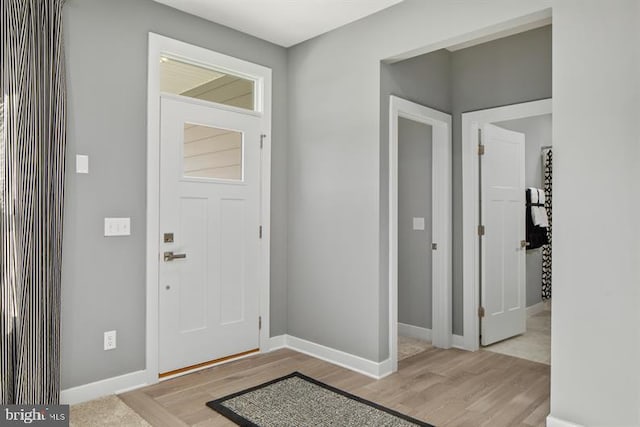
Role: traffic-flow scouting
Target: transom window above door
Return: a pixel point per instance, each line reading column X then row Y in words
column 207, row 84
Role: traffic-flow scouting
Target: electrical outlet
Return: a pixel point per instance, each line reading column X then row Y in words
column 110, row 340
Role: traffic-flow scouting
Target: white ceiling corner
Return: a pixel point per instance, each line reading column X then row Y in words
column 283, row 22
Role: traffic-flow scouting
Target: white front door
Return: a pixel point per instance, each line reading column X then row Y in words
column 209, row 234
column 502, row 204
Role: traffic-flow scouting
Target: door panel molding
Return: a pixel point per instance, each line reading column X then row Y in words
column 441, row 289
column 158, row 46
column 471, row 122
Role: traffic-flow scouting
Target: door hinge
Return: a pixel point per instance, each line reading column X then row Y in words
column 262, row 137
column 480, row 150
column 481, row 230
column 481, row 312
column 259, row 323
column 260, row 232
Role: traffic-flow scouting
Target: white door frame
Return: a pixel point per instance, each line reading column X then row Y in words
column 471, row 122
column 441, row 213
column 160, row 45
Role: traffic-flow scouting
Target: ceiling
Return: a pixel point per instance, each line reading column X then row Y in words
column 283, row 22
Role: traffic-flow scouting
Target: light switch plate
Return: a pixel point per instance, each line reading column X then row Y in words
column 117, row 227
column 82, row 163
column 418, row 223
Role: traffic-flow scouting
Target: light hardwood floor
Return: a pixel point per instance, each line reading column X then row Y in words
column 409, row 347
column 534, row 344
column 442, row 387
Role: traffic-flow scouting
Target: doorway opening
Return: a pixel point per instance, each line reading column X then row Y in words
column 505, row 70
column 419, row 229
column 510, row 151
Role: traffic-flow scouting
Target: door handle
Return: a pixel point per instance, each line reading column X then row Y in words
column 170, row 256
column 524, row 243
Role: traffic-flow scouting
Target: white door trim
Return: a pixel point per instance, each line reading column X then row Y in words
column 160, row 45
column 441, row 290
column 471, row 122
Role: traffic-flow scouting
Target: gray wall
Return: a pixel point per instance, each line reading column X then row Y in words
column 537, row 132
column 506, row 71
column 414, row 200
column 103, row 284
column 596, row 106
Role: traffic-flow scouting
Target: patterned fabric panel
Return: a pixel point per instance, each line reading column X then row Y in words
column 546, row 249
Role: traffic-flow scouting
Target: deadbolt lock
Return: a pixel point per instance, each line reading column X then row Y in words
column 168, row 237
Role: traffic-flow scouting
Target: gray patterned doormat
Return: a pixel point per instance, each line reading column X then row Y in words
column 296, row 400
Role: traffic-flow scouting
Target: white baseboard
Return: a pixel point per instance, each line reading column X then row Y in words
column 384, row 369
column 457, row 341
column 97, row 389
column 358, row 364
column 537, row 308
column 355, row 363
column 556, row 422
column 412, row 331
column 134, row 380
column 277, row 342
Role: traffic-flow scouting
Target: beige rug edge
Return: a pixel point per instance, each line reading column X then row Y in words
column 106, row 411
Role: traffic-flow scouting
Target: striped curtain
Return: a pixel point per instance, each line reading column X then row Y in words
column 32, row 146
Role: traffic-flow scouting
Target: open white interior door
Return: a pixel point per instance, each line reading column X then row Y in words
column 502, row 210
column 210, row 242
